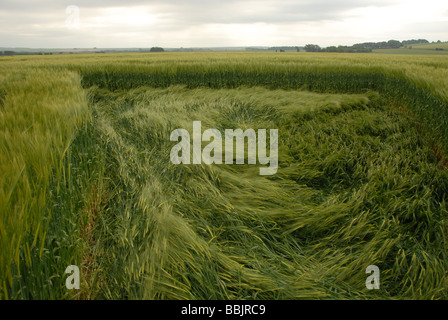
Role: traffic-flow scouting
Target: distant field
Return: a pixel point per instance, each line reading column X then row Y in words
column 412, row 51
column 432, row 46
column 429, row 49
column 87, row 178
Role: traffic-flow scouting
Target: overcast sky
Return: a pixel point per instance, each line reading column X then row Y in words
column 212, row 23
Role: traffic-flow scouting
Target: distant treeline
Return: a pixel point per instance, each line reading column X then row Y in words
column 284, row 49
column 280, row 49
column 94, row 50
column 366, row 46
column 13, row 53
column 157, row 49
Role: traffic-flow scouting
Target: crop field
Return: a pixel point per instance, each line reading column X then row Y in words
column 88, row 177
column 412, row 51
column 432, row 46
column 437, row 48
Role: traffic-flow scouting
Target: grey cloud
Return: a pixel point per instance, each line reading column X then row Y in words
column 211, row 11
column 264, row 11
column 44, row 21
column 176, row 14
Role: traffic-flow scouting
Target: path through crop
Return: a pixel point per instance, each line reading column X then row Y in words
column 357, row 185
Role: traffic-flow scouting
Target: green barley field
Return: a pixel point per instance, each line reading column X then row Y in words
column 87, row 179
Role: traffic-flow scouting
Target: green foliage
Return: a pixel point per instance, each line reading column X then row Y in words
column 40, row 114
column 356, row 186
column 362, row 177
column 157, row 49
column 427, row 100
column 312, row 48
